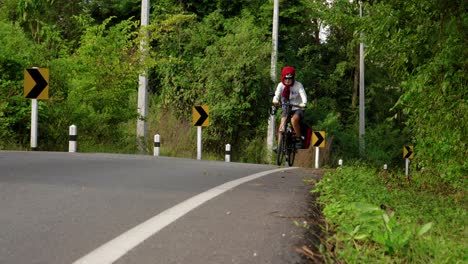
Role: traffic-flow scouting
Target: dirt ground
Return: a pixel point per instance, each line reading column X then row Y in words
column 305, row 158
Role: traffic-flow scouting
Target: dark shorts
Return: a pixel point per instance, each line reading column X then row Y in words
column 299, row 112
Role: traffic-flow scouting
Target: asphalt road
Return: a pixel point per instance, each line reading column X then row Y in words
column 89, row 208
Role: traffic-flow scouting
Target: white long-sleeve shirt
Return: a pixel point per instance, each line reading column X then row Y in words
column 297, row 94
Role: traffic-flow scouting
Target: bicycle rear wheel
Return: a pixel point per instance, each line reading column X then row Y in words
column 281, row 149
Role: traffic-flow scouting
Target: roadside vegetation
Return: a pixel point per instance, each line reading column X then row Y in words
column 217, row 53
column 384, row 217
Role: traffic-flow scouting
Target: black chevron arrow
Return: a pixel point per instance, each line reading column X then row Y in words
column 41, row 83
column 319, row 138
column 203, row 116
column 408, row 152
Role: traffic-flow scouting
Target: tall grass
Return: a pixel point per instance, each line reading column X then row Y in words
column 178, row 138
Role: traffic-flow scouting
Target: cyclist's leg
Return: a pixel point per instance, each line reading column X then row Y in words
column 280, row 130
column 281, row 126
column 296, row 121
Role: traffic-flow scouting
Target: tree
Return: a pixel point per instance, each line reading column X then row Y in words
column 105, row 70
column 422, row 45
column 220, row 62
column 14, row 108
column 234, row 75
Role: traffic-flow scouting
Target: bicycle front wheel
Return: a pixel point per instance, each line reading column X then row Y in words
column 281, row 149
column 291, row 154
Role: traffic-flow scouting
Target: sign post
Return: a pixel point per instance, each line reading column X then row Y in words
column 34, row 115
column 318, row 141
column 199, row 142
column 200, row 119
column 408, row 153
column 36, row 86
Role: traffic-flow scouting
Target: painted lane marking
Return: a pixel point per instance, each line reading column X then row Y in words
column 119, row 246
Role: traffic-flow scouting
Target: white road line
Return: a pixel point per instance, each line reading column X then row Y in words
column 119, row 246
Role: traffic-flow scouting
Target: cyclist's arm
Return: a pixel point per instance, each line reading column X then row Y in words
column 303, row 94
column 279, row 90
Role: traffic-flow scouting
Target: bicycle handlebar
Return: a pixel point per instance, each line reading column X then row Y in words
column 288, row 104
column 274, row 107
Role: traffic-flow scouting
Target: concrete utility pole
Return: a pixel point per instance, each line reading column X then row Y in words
column 274, row 59
column 362, row 132
column 143, row 86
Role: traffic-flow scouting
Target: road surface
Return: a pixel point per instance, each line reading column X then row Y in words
column 108, row 208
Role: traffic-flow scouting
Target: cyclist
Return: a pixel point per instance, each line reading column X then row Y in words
column 292, row 91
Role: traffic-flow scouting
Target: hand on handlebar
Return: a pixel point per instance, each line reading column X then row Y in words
column 276, row 103
column 273, row 110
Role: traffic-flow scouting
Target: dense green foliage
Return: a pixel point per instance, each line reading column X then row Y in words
column 423, row 45
column 218, row 53
column 229, row 75
column 379, row 218
column 13, row 111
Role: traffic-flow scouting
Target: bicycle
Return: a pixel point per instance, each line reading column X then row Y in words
column 287, row 144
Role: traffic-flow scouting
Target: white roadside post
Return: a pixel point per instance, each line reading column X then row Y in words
column 34, row 121
column 157, row 145
column 199, row 142
column 317, row 152
column 72, row 138
column 34, row 117
column 227, row 156
column 340, row 162
column 407, row 163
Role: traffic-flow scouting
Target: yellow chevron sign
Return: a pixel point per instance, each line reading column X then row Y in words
column 201, row 115
column 408, row 152
column 36, row 83
column 318, row 139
